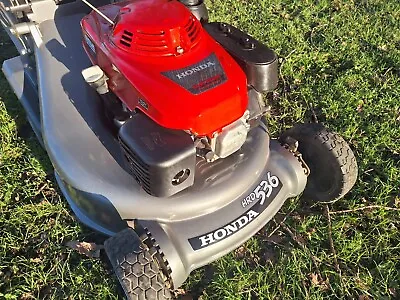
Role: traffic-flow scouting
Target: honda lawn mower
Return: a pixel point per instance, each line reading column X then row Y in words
column 154, row 120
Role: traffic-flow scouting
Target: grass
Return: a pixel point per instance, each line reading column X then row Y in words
column 340, row 59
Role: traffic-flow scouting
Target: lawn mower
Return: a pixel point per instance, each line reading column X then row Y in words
column 154, row 120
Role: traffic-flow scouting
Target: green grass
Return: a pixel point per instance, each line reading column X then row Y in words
column 341, row 58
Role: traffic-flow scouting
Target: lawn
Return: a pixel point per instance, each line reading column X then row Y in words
column 339, row 61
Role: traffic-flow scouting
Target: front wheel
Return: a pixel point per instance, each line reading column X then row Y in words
column 137, row 267
column 333, row 166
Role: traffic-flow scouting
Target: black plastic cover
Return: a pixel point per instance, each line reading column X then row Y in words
column 259, row 62
column 161, row 160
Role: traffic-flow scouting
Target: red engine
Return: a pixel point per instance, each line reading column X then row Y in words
column 160, row 60
column 191, row 89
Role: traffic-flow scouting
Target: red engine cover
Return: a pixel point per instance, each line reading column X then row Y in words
column 160, row 60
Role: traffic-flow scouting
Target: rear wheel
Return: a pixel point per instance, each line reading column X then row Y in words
column 137, row 267
column 333, row 166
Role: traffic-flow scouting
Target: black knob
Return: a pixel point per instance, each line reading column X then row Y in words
column 247, row 43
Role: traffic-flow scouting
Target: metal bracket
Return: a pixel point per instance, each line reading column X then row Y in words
column 292, row 145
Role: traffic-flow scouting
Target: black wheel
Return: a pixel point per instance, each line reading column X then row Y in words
column 333, row 166
column 136, row 267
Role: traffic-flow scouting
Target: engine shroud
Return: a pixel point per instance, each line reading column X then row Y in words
column 160, row 60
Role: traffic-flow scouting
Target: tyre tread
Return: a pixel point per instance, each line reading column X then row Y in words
column 135, row 265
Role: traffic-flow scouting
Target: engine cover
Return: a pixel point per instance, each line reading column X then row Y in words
column 160, row 60
column 161, row 160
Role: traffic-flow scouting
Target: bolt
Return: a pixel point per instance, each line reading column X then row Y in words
column 225, row 28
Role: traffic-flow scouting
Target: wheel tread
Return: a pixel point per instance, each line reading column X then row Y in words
column 135, row 266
